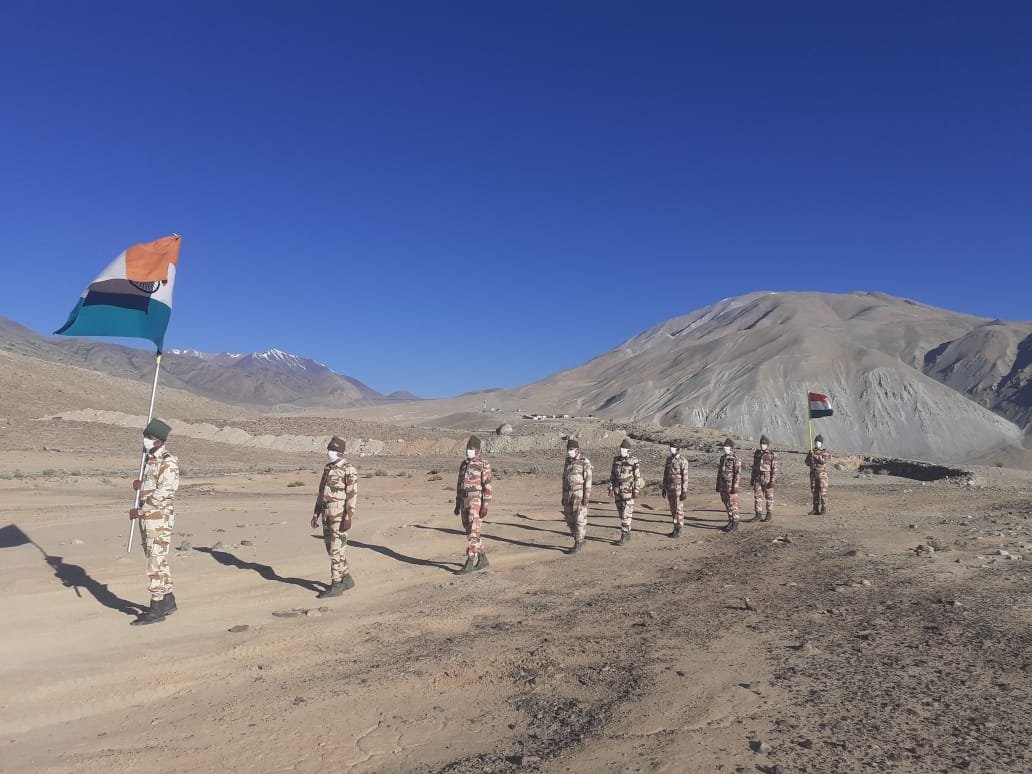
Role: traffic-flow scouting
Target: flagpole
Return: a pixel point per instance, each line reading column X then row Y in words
column 143, row 458
column 809, row 420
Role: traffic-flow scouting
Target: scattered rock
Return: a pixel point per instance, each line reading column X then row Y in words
column 287, row 613
column 313, row 613
column 246, row 543
column 184, row 546
column 1001, row 552
column 851, row 552
column 239, row 628
column 218, row 546
column 924, row 550
column 504, row 429
column 865, row 583
column 77, row 542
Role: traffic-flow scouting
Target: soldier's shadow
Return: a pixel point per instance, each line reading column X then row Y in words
column 392, row 554
column 264, row 570
column 564, row 533
column 74, row 576
column 496, row 538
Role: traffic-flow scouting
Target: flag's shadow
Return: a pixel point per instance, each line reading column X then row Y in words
column 390, row 553
column 74, row 576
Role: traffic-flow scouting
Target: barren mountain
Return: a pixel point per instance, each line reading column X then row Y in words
column 271, row 379
column 904, row 378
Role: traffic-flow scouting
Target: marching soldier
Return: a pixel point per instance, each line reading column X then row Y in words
column 625, row 482
column 729, row 471
column 157, row 516
column 576, row 493
column 472, row 494
column 675, row 488
column 817, row 462
column 335, row 506
column 764, row 474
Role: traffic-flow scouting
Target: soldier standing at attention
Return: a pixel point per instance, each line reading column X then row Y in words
column 729, row 471
column 625, row 482
column 576, row 493
column 764, row 473
column 335, row 506
column 817, row 462
column 675, row 488
column 472, row 494
column 157, row 517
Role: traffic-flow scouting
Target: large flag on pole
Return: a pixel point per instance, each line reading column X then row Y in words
column 132, row 297
column 819, row 406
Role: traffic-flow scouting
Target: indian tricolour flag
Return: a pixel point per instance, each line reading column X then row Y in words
column 819, row 406
column 132, row 297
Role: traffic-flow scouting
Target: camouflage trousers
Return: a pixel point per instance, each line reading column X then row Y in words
column 626, row 510
column 576, row 519
column 471, row 523
column 730, row 500
column 819, row 489
column 336, row 541
column 763, row 498
column 676, row 507
column 156, row 532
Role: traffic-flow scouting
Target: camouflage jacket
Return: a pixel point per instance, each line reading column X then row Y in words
column 576, row 479
column 729, row 470
column 338, row 489
column 675, row 475
column 625, row 478
column 474, row 480
column 764, row 467
column 817, row 459
column 159, row 483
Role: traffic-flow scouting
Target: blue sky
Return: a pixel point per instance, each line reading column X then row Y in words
column 450, row 196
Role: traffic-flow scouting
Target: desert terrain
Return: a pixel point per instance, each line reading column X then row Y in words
column 892, row 634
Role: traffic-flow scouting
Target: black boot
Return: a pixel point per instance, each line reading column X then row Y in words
column 677, row 531
column 467, row 568
column 169, row 601
column 335, row 590
column 625, row 538
column 769, row 516
column 577, row 546
column 347, row 582
column 155, row 614
column 482, row 563
column 756, row 517
column 731, row 526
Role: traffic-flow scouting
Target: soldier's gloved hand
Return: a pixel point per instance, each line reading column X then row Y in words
column 136, row 485
column 315, row 521
column 345, row 523
column 456, row 510
column 483, row 512
column 683, row 497
column 717, row 489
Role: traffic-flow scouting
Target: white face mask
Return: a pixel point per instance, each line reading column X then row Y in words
column 471, row 453
column 673, row 450
column 727, row 450
column 571, row 453
column 332, row 456
column 149, row 444
column 624, row 452
column 763, row 446
column 818, row 445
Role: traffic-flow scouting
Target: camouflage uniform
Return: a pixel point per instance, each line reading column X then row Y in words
column 472, row 492
column 675, row 484
column 764, row 475
column 577, row 494
column 625, row 482
column 157, row 517
column 729, row 471
column 338, row 494
column 817, row 462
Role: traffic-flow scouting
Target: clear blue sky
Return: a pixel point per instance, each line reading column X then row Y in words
column 451, row 196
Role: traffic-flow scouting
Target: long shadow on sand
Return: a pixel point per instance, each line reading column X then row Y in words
column 71, row 575
column 264, row 570
column 497, row 538
column 392, row 554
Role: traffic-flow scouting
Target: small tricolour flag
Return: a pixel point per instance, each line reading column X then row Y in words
column 819, row 406
column 132, row 297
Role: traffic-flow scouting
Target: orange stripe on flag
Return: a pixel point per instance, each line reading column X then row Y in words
column 149, row 261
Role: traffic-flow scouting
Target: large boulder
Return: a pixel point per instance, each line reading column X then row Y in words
column 504, row 429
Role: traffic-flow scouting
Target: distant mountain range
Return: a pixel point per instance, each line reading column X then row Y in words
column 904, row 378
column 269, row 380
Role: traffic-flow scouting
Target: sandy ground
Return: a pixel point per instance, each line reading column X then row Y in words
column 807, row 644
